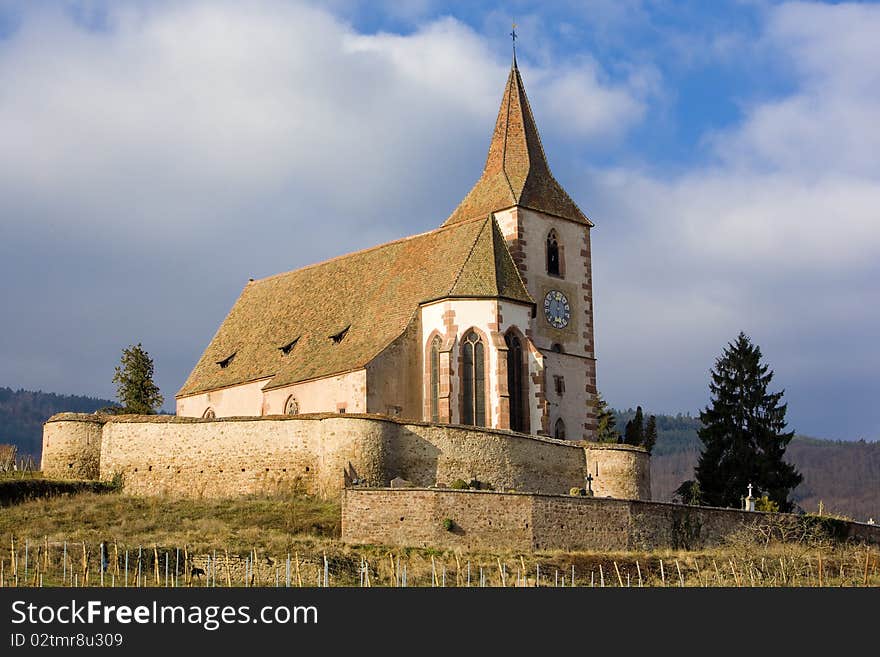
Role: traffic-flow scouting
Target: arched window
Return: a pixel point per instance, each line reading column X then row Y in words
column 435, row 379
column 473, row 381
column 553, row 267
column 291, row 407
column 209, row 413
column 515, row 380
column 559, row 429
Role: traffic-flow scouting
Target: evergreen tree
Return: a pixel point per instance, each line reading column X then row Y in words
column 688, row 493
column 650, row 433
column 134, row 378
column 743, row 432
column 634, row 433
column 606, row 431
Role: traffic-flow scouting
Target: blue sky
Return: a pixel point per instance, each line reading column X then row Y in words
column 157, row 154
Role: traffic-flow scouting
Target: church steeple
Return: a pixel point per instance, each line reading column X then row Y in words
column 516, row 171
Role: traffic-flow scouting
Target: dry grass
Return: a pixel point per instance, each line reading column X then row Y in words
column 308, row 530
column 273, row 524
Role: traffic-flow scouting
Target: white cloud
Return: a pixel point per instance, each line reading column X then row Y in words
column 158, row 154
column 779, row 237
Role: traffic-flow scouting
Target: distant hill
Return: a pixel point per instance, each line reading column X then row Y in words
column 843, row 475
column 22, row 413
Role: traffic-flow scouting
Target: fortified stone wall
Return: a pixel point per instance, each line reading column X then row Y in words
column 429, row 454
column 483, row 520
column 619, row 471
column 170, row 455
column 72, row 446
column 204, row 458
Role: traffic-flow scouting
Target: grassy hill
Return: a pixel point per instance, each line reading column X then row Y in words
column 843, row 475
column 301, row 535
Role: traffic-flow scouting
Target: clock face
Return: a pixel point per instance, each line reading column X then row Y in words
column 556, row 309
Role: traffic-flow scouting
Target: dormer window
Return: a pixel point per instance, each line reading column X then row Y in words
column 287, row 348
column 225, row 362
column 337, row 338
column 553, row 259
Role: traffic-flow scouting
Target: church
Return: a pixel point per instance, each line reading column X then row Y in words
column 486, row 321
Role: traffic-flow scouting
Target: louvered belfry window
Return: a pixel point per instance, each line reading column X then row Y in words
column 435, row 379
column 553, row 255
column 473, row 381
column 515, row 386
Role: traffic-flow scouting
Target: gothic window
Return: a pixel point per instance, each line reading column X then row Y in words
column 473, row 381
column 515, row 383
column 435, row 379
column 209, row 414
column 559, row 430
column 291, row 407
column 553, row 267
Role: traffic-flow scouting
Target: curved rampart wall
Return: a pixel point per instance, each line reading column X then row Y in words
column 194, row 457
column 72, row 446
column 619, row 471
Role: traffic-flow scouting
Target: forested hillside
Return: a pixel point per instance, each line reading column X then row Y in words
column 843, row 475
column 22, row 413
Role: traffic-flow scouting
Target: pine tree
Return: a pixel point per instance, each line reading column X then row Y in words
column 650, row 434
column 606, row 431
column 135, row 389
column 743, row 432
column 634, row 434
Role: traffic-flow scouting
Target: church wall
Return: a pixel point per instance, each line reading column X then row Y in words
column 458, row 316
column 395, row 377
column 619, row 471
column 327, row 395
column 514, row 315
column 526, row 232
column 491, row 318
column 246, row 399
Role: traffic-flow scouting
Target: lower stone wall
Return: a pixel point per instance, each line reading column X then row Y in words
column 483, row 520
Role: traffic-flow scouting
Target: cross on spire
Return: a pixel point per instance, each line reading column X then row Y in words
column 513, row 39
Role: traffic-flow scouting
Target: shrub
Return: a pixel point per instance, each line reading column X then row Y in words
column 575, row 492
column 448, row 524
column 116, row 481
column 766, row 504
column 459, row 484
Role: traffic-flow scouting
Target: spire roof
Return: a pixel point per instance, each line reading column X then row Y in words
column 516, row 170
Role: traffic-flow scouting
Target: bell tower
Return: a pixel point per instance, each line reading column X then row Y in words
column 549, row 239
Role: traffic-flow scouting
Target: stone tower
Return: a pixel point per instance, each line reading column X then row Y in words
column 549, row 239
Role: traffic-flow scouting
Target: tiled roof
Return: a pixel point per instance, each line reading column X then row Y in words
column 374, row 293
column 516, row 171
